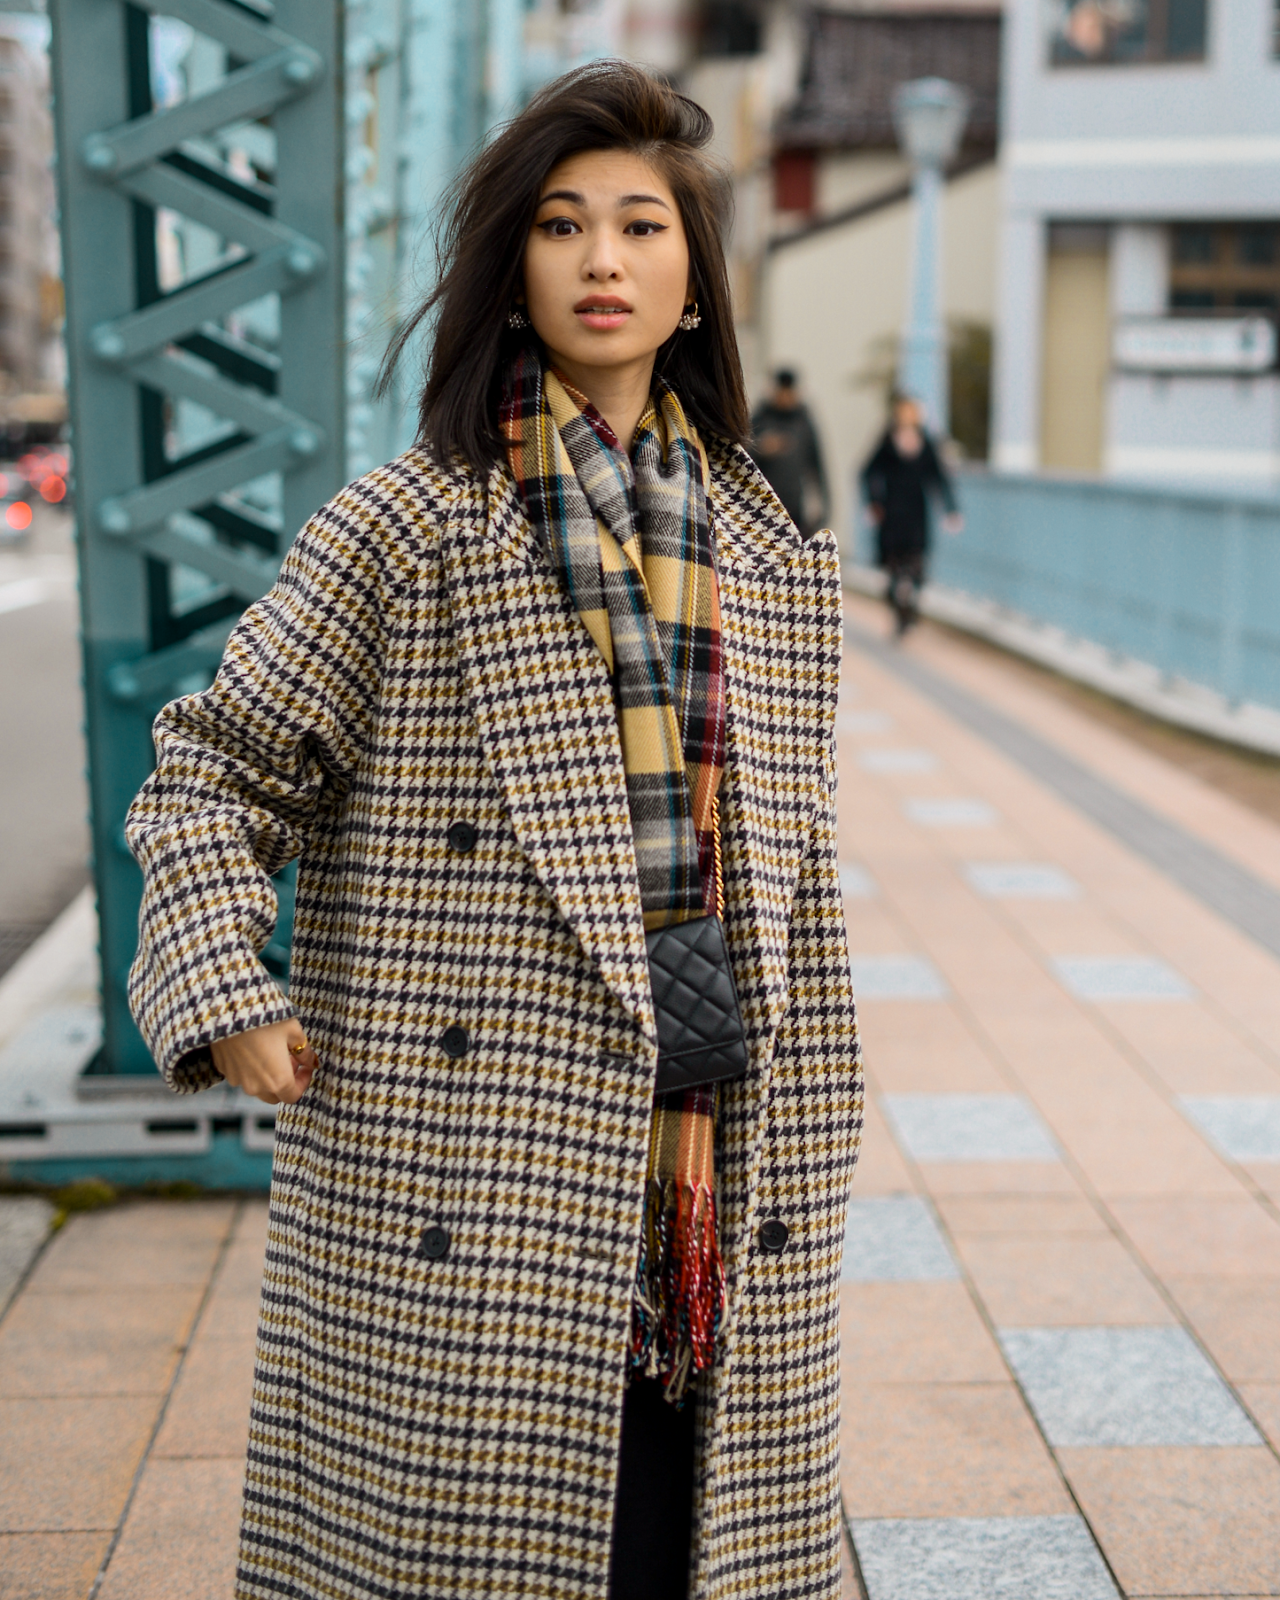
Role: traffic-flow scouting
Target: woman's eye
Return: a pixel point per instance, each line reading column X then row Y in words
column 559, row 227
column 646, row 230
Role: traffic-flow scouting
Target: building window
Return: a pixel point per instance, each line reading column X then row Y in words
column 1099, row 31
column 795, row 181
column 1218, row 268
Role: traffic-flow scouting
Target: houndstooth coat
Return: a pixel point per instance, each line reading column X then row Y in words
column 455, row 1202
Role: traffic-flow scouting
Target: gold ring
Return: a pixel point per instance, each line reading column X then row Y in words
column 298, row 1049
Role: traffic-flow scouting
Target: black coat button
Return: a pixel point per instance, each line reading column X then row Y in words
column 455, row 1042
column 435, row 1242
column 774, row 1236
column 462, row 837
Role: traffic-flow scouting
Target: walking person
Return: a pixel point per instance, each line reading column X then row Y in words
column 786, row 449
column 551, row 1293
column 900, row 475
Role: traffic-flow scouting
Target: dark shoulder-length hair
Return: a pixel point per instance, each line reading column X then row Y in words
column 607, row 105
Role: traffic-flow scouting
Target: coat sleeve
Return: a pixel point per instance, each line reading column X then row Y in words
column 241, row 771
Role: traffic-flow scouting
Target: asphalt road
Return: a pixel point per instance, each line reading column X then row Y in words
column 44, row 835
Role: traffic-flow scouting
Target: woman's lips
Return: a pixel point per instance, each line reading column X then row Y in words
column 602, row 316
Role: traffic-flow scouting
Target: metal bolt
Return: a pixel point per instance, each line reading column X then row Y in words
column 99, row 156
column 124, row 683
column 113, row 517
column 300, row 69
column 301, row 261
column 303, row 442
column 107, row 342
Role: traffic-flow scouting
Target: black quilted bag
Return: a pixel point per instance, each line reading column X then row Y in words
column 695, row 1001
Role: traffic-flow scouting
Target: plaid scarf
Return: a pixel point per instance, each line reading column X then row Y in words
column 631, row 540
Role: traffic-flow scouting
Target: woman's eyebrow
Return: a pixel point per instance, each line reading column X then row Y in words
column 576, row 199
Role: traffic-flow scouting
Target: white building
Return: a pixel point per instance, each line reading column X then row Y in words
column 1140, row 241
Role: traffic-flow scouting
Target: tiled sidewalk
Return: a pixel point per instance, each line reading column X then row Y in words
column 1062, row 1296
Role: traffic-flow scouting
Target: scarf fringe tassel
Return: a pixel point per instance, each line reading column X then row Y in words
column 680, row 1286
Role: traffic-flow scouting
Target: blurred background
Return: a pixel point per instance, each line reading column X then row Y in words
column 1055, row 223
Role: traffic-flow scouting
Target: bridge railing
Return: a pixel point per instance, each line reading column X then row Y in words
column 1186, row 581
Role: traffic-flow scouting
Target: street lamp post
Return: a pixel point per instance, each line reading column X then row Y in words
column 929, row 114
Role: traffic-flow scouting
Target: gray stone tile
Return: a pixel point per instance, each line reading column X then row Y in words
column 894, row 1239
column 1245, row 1127
column 1124, row 1386
column 856, row 883
column 24, row 1226
column 1101, row 978
column 981, row 1558
column 969, row 1127
column 896, row 978
column 861, row 722
column 887, row 762
column 951, row 813
column 1021, row 880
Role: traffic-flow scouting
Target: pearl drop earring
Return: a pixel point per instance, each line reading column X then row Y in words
column 516, row 319
column 691, row 319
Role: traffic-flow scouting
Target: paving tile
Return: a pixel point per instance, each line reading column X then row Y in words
column 862, row 722
column 1245, row 1127
column 917, row 1049
column 944, row 1450
column 997, row 1177
column 896, row 978
column 894, row 1239
column 950, row 813
column 1029, row 1281
column 849, row 1587
column 886, row 763
column 208, row 1412
column 24, row 1226
column 1058, row 1214
column 856, row 883
column 1266, row 1174
column 915, row 1333
column 982, row 1558
column 1202, row 1236
column 180, row 1540
column 1020, row 880
column 969, row 1127
column 880, row 1169
column 1239, row 1321
column 1183, row 1522
column 1109, row 978
column 146, row 1245
column 50, row 1566
column 1263, row 1401
column 233, row 1315
column 100, row 1343
column 68, row 1464
column 1124, row 1386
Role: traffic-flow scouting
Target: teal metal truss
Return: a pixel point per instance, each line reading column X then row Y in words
column 202, row 231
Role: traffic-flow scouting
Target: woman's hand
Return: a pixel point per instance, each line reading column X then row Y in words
column 274, row 1064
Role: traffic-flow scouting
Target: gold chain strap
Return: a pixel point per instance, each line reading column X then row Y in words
column 716, row 856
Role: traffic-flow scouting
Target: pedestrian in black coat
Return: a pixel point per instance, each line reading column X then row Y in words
column 786, row 449
column 897, row 480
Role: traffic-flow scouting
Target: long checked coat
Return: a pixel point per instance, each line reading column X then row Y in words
column 433, row 1426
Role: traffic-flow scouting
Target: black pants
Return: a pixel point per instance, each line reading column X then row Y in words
column 653, row 1508
column 906, row 576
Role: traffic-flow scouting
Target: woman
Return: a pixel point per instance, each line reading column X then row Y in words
column 526, row 1331
column 897, row 480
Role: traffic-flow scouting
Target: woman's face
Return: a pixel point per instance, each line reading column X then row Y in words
column 606, row 266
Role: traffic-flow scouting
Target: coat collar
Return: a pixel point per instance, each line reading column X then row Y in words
column 543, row 701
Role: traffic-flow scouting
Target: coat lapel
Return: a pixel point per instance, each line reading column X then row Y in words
column 543, row 701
